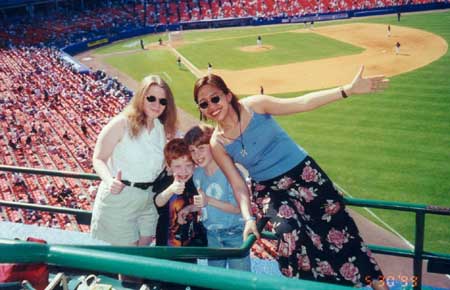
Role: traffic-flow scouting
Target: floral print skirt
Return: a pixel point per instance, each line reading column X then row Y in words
column 317, row 238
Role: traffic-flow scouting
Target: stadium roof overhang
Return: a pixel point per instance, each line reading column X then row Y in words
column 8, row 4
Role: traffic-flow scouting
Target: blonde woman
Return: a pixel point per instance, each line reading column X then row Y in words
column 128, row 157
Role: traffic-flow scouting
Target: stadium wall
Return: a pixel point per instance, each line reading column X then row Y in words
column 247, row 21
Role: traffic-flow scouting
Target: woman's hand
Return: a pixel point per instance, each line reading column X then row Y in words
column 250, row 228
column 364, row 85
column 116, row 185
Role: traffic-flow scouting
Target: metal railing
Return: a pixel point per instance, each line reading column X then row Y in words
column 145, row 266
column 440, row 261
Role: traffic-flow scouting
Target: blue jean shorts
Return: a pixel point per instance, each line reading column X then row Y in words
column 228, row 238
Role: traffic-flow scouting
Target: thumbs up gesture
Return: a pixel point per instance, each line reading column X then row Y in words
column 201, row 199
column 116, row 185
column 177, row 186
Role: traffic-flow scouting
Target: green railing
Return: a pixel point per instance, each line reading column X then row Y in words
column 92, row 259
column 437, row 262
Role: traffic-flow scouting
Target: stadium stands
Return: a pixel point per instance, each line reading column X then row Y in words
column 61, row 27
column 41, row 127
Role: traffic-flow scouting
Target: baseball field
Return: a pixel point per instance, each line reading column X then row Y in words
column 391, row 146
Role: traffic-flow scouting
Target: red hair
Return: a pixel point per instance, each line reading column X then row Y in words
column 176, row 148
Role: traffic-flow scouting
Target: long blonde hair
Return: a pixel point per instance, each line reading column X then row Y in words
column 135, row 109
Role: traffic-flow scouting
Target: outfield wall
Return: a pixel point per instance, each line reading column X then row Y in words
column 248, row 21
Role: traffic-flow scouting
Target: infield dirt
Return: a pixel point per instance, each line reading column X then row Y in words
column 418, row 48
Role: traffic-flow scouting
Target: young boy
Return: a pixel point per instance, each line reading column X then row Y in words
column 221, row 215
column 174, row 194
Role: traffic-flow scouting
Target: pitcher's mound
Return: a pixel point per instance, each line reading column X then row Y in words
column 255, row 48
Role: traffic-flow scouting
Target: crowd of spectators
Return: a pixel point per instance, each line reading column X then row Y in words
column 50, row 118
column 64, row 26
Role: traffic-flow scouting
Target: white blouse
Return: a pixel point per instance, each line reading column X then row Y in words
column 141, row 158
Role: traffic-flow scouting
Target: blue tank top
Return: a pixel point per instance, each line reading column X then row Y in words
column 270, row 151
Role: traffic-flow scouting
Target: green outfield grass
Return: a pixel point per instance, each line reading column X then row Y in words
column 161, row 62
column 390, row 146
column 422, row 165
column 195, row 36
column 131, row 43
column 286, row 47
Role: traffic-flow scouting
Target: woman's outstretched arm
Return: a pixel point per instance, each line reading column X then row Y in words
column 264, row 104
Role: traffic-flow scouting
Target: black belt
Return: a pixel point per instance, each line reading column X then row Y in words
column 141, row 185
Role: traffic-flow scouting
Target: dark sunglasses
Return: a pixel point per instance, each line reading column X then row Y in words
column 151, row 99
column 205, row 104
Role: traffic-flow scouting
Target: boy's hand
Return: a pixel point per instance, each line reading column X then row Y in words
column 200, row 200
column 177, row 187
column 182, row 216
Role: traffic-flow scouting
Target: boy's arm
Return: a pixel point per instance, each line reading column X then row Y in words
column 175, row 188
column 162, row 198
column 184, row 212
column 190, row 208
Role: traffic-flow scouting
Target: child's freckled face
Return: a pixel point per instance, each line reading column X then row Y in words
column 182, row 168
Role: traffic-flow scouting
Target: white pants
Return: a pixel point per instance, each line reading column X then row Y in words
column 121, row 219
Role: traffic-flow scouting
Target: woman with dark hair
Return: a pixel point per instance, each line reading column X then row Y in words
column 128, row 157
column 318, row 240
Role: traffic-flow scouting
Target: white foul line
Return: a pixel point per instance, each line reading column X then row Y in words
column 198, row 73
column 167, row 75
column 408, row 243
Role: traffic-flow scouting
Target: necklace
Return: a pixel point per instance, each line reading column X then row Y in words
column 243, row 151
column 241, row 138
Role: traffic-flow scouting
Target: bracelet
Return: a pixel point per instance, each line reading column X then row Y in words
column 343, row 93
column 250, row 218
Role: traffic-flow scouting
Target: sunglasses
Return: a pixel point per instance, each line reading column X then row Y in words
column 205, row 104
column 162, row 102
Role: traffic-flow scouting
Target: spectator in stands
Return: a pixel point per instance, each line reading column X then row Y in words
column 18, row 179
column 83, row 128
column 318, row 240
column 66, row 136
column 12, row 144
column 128, row 157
